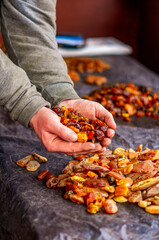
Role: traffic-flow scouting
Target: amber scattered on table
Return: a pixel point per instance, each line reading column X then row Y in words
column 100, row 181
column 73, row 75
column 125, row 100
column 86, row 129
column 78, row 65
column 95, row 80
column 31, row 162
column 85, row 64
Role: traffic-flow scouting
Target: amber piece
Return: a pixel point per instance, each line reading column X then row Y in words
column 96, row 183
column 32, row 166
column 92, row 174
column 149, row 154
column 120, row 199
column 110, row 206
column 103, row 128
column 135, row 197
column 109, row 189
column 130, row 108
column 82, row 137
column 139, row 148
column 96, row 80
column 116, row 175
column 76, row 130
column 90, row 135
column 142, row 185
column 143, row 167
column 99, row 135
column 152, row 209
column 121, row 151
column 42, row 174
column 94, row 167
column 75, row 198
column 125, row 182
column 121, row 191
column 24, row 161
column 143, row 204
column 92, row 208
column 73, row 75
column 96, row 205
column 151, row 191
column 39, row 158
column 127, row 169
column 52, row 182
column 89, row 198
column 49, row 175
column 140, row 114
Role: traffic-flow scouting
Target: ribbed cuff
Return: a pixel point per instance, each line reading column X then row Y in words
column 30, row 109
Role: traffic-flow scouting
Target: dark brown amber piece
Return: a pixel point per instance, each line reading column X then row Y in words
column 99, row 135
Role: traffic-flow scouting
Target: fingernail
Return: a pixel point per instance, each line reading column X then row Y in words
column 73, row 137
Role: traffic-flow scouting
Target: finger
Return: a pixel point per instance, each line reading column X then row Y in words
column 109, row 120
column 105, row 116
column 64, row 132
column 110, row 133
column 102, row 150
column 106, row 142
column 58, row 145
column 98, row 149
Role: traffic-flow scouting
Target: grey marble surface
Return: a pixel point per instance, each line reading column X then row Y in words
column 30, row 211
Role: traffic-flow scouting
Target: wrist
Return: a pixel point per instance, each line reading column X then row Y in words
column 36, row 116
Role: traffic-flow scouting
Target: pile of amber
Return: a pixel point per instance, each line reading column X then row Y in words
column 87, row 130
column 126, row 100
column 101, row 181
column 84, row 64
column 77, row 65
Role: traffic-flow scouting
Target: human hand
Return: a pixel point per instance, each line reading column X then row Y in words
column 58, row 138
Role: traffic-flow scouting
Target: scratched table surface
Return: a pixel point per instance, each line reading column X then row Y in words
column 30, row 211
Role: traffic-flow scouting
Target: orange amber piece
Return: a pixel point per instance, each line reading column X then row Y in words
column 82, row 137
column 89, row 198
column 110, row 206
column 42, row 174
column 121, row 191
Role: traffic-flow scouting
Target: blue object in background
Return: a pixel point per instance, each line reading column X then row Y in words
column 70, row 41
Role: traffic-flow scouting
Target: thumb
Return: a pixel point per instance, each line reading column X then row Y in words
column 64, row 132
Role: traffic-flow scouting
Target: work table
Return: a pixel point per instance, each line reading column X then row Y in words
column 30, row 211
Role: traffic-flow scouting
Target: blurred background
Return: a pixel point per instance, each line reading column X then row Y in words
column 134, row 22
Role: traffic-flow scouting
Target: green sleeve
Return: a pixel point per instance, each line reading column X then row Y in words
column 29, row 29
column 18, row 96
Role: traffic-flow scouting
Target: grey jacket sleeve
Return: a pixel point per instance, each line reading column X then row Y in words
column 29, row 29
column 17, row 94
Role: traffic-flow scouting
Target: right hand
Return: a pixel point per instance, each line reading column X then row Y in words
column 58, row 138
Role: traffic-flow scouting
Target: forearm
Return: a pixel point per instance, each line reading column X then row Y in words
column 17, row 94
column 29, row 30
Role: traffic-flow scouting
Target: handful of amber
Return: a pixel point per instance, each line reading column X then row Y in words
column 86, row 129
column 101, row 181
